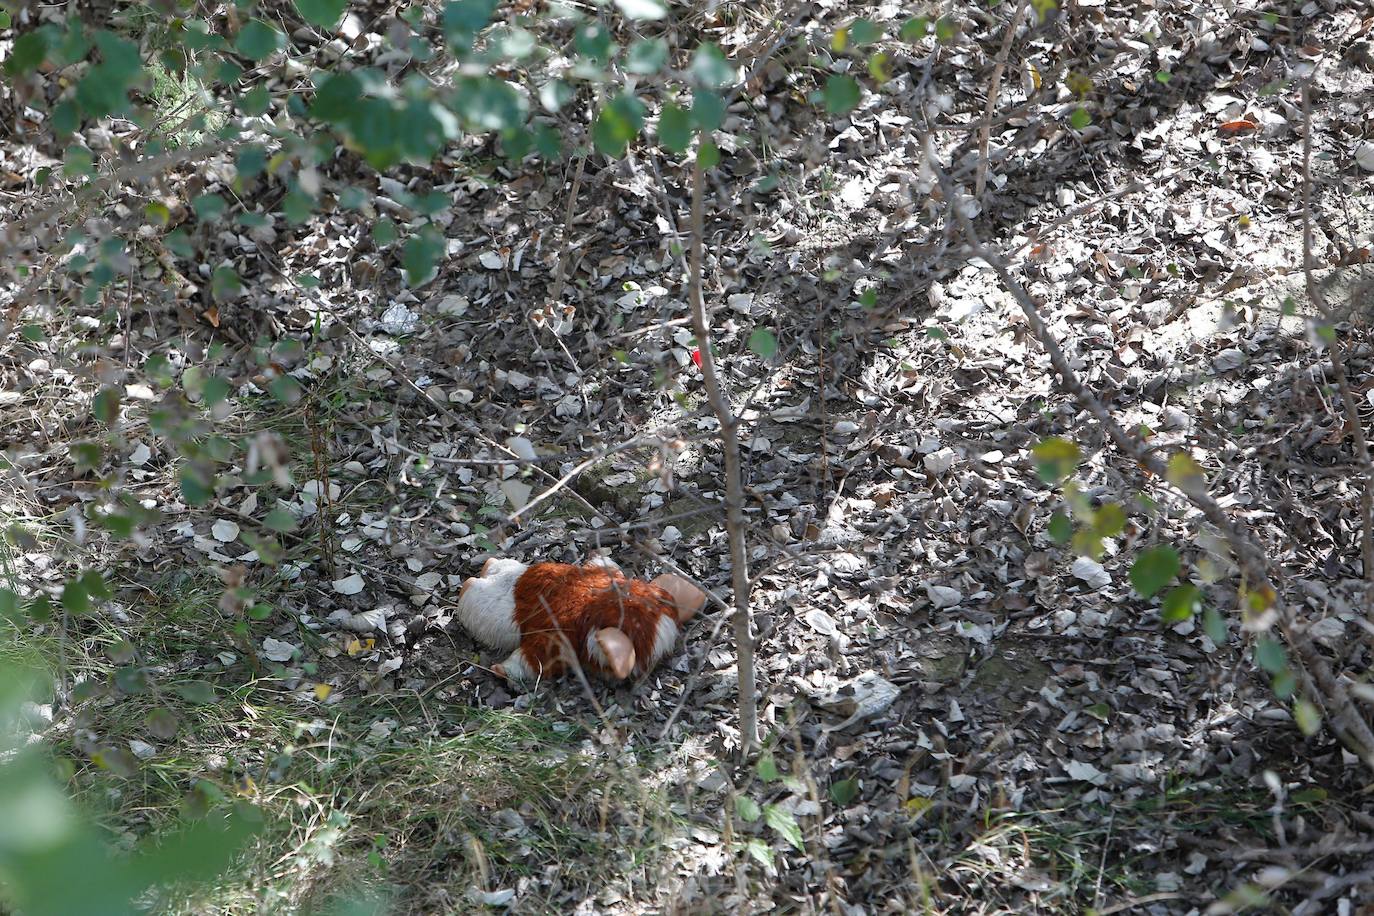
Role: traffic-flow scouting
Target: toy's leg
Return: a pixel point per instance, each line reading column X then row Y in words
column 610, row 648
column 687, row 598
column 607, row 564
column 515, row 668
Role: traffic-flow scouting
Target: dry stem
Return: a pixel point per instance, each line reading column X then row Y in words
column 734, row 487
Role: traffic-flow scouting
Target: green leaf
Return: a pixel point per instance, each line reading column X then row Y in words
column 260, row 611
column 863, row 32
column 1307, row 717
column 213, row 390
column 1109, row 520
column 674, row 128
column 841, row 93
column 105, row 406
column 255, row 101
column 257, row 40
column 844, row 791
column 198, row 692
column 420, row 256
column 554, row 94
column 914, row 29
column 1270, row 655
column 617, row 124
column 323, row 13
column 162, row 722
column 285, row 390
column 880, row 67
column 710, row 67
column 1214, row 626
column 66, row 117
column 39, row 608
column 1055, row 458
column 1080, row 119
column 759, row 851
column 132, row 680
column 1181, row 604
column 280, row 520
column 179, row 243
column 747, row 808
column 1284, row 684
column 157, row 213
column 1153, row 569
column 336, row 97
column 195, row 489
column 1163, row 77
column 593, row 41
column 641, row 9
column 646, row 56
column 224, row 283
column 5, row 21
column 945, row 29
column 708, row 109
column 763, row 342
column 1060, row 528
column 27, row 54
column 784, row 824
column 490, row 104
column 95, row 586
column 708, row 154
column 208, row 206
column 77, row 161
column 768, row 768
column 75, row 598
column 465, row 18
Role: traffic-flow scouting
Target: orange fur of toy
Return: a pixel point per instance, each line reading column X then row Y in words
column 556, row 601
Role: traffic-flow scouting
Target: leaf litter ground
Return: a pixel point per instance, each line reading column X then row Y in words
column 963, row 717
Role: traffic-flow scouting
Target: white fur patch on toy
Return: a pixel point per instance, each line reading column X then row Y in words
column 486, row 605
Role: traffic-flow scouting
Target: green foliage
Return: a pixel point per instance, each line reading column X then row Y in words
column 914, row 29
column 258, row 39
column 55, row 862
column 1056, row 459
column 27, row 54
column 710, row 68
column 323, row 13
column 763, row 342
column 784, row 824
column 1270, row 654
column 1181, row 604
column 646, row 56
column 617, row 124
column 1153, row 569
column 675, row 128
column 844, row 791
column 841, row 93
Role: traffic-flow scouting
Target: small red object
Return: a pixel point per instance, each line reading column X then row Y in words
column 696, row 357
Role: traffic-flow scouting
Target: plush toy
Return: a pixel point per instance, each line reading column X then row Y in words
column 553, row 615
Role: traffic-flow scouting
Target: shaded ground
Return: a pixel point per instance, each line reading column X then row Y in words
column 1037, row 740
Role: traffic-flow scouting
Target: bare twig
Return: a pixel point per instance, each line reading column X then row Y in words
column 1354, row 424
column 994, row 85
column 560, row 269
column 734, row 488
